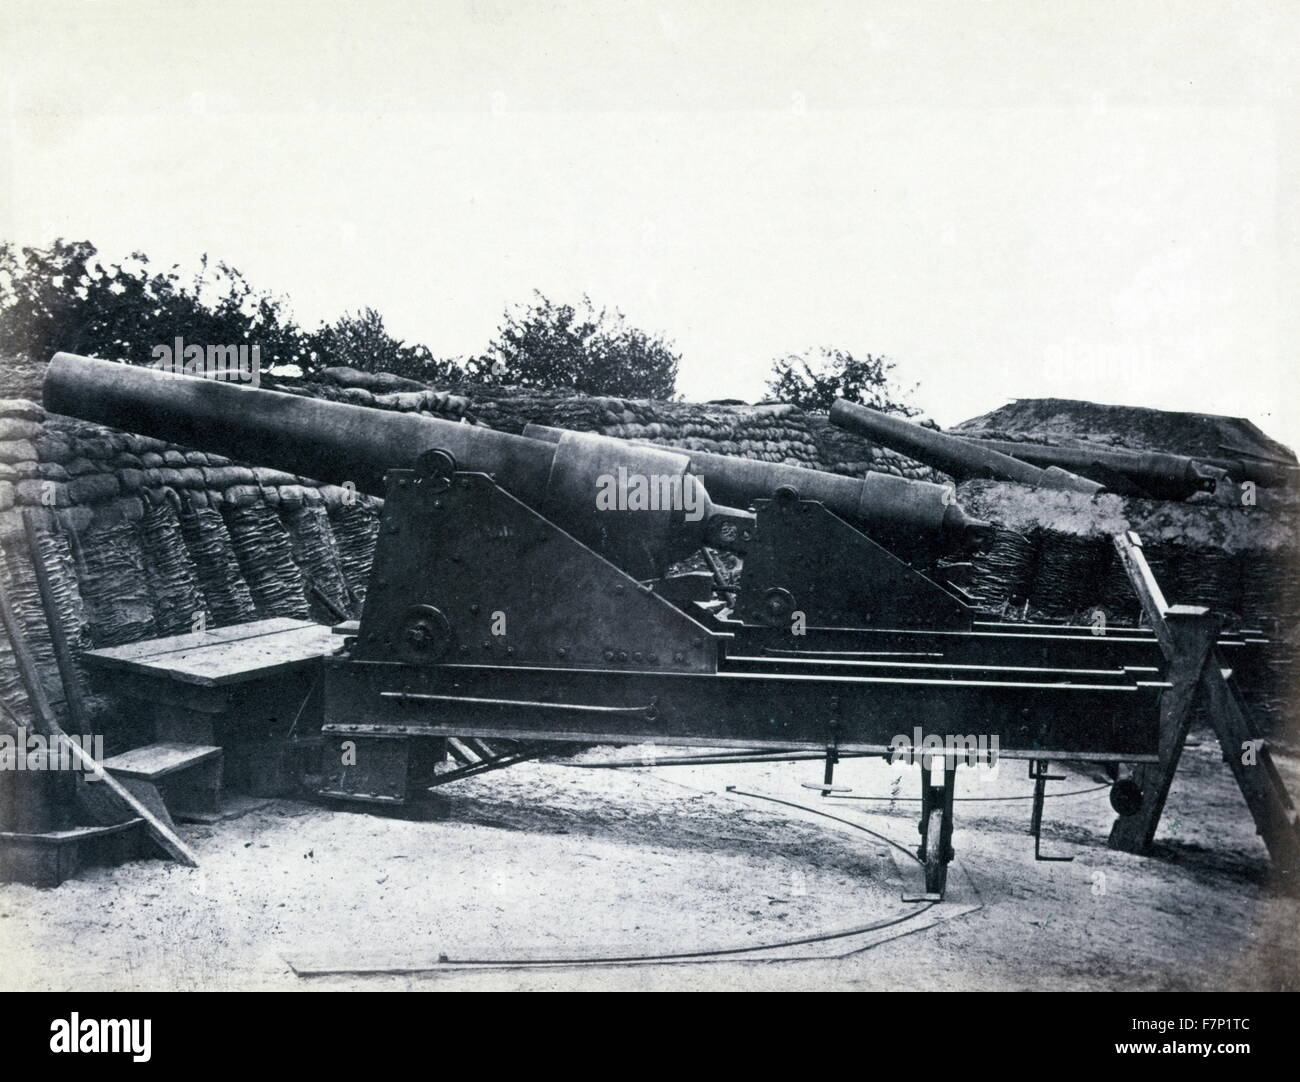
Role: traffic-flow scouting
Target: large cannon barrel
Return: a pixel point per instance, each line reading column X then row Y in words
column 943, row 452
column 1154, row 473
column 328, row 441
column 881, row 502
column 341, row 443
column 1265, row 472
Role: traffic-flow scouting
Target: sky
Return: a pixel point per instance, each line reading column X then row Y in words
column 1009, row 199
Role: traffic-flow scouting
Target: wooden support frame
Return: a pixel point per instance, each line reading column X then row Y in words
column 1196, row 672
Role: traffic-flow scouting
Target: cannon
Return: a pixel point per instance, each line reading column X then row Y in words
column 961, row 459
column 517, row 604
column 1147, row 474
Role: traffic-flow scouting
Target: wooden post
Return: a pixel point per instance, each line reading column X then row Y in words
column 1192, row 631
column 63, row 656
column 1154, row 606
column 1246, row 753
column 48, row 796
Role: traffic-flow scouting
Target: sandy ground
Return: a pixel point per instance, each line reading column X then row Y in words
column 545, row 861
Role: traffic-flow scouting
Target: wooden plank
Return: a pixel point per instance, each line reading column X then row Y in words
column 42, row 713
column 57, row 837
column 217, row 665
column 148, row 648
column 256, row 660
column 153, row 761
column 1152, row 599
column 73, row 693
column 1270, row 804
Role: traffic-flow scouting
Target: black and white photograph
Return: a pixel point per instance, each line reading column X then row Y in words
column 650, row 496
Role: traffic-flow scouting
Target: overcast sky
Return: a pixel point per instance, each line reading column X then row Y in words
column 1010, row 199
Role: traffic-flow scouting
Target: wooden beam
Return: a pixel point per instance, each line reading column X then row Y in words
column 72, row 691
column 1152, row 599
column 1192, row 633
column 1247, row 755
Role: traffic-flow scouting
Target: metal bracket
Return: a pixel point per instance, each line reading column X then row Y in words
column 935, row 827
column 807, row 559
column 828, row 775
column 1038, row 774
column 465, row 573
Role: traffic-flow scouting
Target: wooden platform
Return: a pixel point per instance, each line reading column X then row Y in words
column 222, row 656
column 250, row 692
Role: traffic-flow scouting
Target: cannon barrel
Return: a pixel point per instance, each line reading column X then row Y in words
column 328, row 441
column 881, row 502
column 943, row 452
column 341, row 443
column 1167, row 476
column 1265, row 472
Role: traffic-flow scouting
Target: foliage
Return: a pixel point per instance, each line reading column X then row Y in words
column 63, row 298
column 583, row 349
column 362, row 341
column 816, row 378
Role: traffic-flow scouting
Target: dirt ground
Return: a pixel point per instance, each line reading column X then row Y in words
column 546, row 861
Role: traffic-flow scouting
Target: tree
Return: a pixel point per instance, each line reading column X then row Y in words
column 62, row 298
column 362, row 341
column 589, row 351
column 816, row 378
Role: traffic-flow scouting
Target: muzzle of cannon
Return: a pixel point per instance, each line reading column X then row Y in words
column 960, row 458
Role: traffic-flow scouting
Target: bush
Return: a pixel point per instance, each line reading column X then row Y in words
column 816, row 378
column 62, row 298
column 557, row 346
